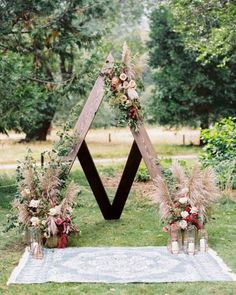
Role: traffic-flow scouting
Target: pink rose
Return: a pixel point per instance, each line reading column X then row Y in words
column 59, row 221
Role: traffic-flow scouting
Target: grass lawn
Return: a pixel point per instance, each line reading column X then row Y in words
column 138, row 226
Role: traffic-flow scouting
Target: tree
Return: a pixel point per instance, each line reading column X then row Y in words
column 50, row 40
column 187, row 92
column 59, row 41
column 207, row 27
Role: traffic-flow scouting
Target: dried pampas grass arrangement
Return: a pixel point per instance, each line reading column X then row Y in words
column 198, row 188
column 46, row 198
column 126, row 60
column 163, row 197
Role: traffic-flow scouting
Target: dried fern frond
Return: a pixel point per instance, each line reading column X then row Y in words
column 51, row 224
column 126, row 60
column 202, row 189
column 179, row 175
column 23, row 215
column 70, row 195
column 195, row 186
column 50, row 183
column 126, row 56
column 163, row 197
column 29, row 181
column 140, row 65
column 209, row 186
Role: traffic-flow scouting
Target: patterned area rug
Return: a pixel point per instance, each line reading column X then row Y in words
column 119, row 265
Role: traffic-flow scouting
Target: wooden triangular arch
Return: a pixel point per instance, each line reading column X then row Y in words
column 141, row 148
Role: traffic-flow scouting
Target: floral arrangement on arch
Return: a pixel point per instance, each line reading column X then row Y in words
column 121, row 90
column 189, row 201
column 45, row 198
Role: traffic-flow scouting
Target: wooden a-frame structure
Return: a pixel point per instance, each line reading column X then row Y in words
column 141, row 148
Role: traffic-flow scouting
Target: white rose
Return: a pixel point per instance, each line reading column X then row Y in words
column 184, row 214
column 126, row 85
column 123, row 77
column 55, row 210
column 183, row 200
column 194, row 210
column 34, row 203
column 183, row 224
column 35, row 221
column 132, row 84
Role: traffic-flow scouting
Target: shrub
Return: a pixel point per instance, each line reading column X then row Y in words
column 220, row 151
column 142, row 175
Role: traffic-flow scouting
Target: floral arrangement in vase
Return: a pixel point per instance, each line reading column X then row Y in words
column 184, row 207
column 43, row 207
column 45, row 199
column 121, row 90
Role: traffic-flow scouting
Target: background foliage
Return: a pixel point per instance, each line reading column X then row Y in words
column 188, row 90
column 220, row 151
column 51, row 53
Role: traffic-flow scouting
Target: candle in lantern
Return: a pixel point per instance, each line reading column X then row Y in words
column 202, row 245
column 175, row 247
column 191, row 248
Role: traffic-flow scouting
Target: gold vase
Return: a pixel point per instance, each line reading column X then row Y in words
column 52, row 242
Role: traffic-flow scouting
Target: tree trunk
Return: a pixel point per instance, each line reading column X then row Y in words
column 204, row 125
column 40, row 133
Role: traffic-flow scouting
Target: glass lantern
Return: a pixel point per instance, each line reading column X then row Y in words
column 191, row 239
column 203, row 238
column 26, row 236
column 175, row 239
column 184, row 236
column 36, row 249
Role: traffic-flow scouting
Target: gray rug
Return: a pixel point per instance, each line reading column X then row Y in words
column 119, row 265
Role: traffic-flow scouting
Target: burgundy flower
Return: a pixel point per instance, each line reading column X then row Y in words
column 188, row 209
column 189, row 218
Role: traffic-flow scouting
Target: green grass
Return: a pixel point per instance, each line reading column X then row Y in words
column 138, row 226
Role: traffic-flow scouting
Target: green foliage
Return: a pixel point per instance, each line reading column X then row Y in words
column 7, row 190
column 187, row 92
column 52, row 52
column 142, row 175
column 208, row 27
column 49, row 41
column 220, row 151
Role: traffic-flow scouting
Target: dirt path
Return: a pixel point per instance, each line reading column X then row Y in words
column 109, row 161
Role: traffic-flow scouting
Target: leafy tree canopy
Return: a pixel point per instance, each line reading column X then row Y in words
column 187, row 92
column 208, row 27
column 47, row 49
